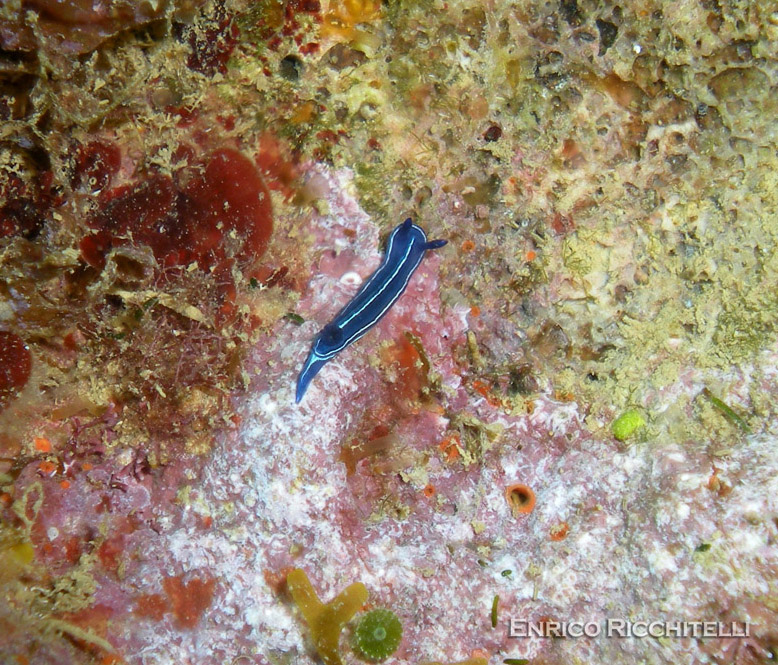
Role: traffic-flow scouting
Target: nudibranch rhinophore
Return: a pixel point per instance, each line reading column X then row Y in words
column 404, row 252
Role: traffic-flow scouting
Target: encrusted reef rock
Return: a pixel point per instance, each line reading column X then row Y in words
column 558, row 446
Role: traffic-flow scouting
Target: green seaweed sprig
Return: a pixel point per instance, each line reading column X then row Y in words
column 727, row 411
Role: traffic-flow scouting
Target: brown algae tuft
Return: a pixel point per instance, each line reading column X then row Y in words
column 325, row 620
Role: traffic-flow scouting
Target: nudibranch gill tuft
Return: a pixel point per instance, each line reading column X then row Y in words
column 404, row 252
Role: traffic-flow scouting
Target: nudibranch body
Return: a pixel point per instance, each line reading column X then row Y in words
column 404, row 252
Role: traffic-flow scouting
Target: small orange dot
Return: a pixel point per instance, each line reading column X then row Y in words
column 64, row 484
column 110, row 659
column 450, row 446
column 559, row 531
column 86, row 466
column 475, row 310
column 42, row 444
column 480, row 387
column 485, row 390
column 429, row 491
column 47, row 468
column 468, row 246
column 520, row 498
column 531, row 255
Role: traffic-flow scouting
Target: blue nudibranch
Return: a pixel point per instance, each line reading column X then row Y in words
column 404, row 253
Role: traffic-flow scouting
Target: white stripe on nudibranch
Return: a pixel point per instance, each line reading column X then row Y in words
column 379, row 285
column 398, row 266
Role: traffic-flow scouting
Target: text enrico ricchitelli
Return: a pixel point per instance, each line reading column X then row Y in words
column 627, row 628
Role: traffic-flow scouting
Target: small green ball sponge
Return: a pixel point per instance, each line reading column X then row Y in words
column 378, row 634
column 627, row 424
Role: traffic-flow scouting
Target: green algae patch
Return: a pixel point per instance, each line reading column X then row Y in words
column 724, row 409
column 377, row 635
column 713, row 412
column 495, row 608
column 627, row 424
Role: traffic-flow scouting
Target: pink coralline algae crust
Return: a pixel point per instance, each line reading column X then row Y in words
column 114, row 517
column 204, row 577
column 393, row 471
column 569, row 416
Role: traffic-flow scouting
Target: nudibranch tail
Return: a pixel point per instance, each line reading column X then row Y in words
column 311, row 368
column 404, row 252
